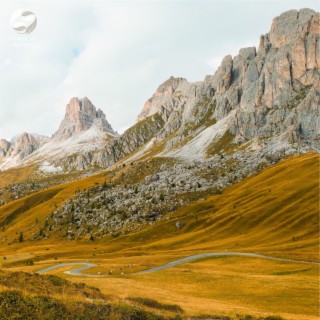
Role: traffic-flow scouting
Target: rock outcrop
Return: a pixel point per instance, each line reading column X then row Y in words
column 4, row 147
column 27, row 143
column 15, row 152
column 80, row 116
column 131, row 140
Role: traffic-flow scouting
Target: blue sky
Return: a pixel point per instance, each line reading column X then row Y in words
column 116, row 53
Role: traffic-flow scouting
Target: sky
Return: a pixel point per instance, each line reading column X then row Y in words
column 116, row 53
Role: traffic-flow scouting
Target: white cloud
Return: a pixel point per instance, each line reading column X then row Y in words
column 116, row 53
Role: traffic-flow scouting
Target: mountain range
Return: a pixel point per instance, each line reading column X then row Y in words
column 84, row 128
column 265, row 98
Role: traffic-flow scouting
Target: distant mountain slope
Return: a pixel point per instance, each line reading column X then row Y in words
column 13, row 153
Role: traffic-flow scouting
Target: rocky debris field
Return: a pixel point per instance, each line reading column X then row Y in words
column 120, row 207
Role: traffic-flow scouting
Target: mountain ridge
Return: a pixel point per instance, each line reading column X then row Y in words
column 266, row 99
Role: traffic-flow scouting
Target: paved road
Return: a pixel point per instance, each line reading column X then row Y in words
column 219, row 254
column 86, row 265
column 75, row 271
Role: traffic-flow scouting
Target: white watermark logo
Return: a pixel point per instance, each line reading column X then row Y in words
column 23, row 21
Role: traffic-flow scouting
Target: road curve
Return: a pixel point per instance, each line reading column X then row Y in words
column 75, row 271
column 87, row 265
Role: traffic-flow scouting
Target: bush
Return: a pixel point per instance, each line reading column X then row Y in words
column 29, row 263
column 157, row 305
column 57, row 281
column 126, row 312
column 13, row 305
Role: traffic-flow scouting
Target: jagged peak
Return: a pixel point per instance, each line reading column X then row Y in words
column 291, row 25
column 27, row 137
column 80, row 116
column 166, row 89
column 4, row 145
column 171, row 83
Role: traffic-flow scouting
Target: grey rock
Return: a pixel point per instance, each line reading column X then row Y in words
column 80, row 116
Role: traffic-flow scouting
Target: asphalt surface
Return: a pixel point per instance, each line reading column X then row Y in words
column 75, row 271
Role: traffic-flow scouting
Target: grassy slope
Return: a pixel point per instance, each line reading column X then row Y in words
column 41, row 204
column 33, row 297
column 274, row 212
column 16, row 175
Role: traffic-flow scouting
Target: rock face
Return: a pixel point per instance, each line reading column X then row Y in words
column 4, row 147
column 270, row 94
column 131, row 140
column 162, row 99
column 26, row 143
column 80, row 116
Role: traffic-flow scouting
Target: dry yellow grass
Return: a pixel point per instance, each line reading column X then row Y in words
column 16, row 175
column 274, row 213
column 226, row 286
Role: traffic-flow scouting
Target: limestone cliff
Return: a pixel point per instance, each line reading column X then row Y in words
column 270, row 94
column 80, row 116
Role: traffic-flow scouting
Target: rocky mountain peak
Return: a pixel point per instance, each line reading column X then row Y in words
column 19, row 148
column 161, row 97
column 26, row 143
column 80, row 116
column 270, row 94
column 291, row 26
column 4, row 144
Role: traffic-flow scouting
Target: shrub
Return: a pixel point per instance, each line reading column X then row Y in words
column 157, row 305
column 29, row 263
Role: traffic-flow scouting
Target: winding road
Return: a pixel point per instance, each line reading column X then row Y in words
column 86, row 265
